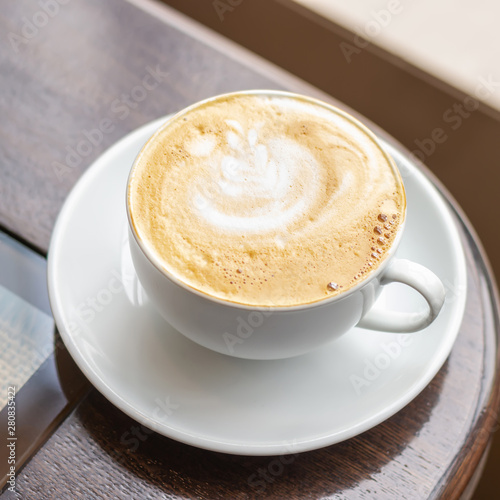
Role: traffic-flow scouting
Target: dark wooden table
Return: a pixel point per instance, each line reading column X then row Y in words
column 80, row 66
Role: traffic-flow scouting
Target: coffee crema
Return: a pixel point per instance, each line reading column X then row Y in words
column 266, row 199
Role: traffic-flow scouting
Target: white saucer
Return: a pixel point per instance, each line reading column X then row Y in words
column 185, row 392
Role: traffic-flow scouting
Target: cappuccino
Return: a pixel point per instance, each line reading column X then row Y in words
column 266, row 199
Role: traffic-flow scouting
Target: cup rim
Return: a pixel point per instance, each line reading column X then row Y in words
column 150, row 256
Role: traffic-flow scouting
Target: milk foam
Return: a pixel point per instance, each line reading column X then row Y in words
column 260, row 176
column 266, row 200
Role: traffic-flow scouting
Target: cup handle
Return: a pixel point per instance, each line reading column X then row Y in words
column 423, row 281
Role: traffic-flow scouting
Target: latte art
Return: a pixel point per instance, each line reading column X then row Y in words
column 266, row 200
column 255, row 187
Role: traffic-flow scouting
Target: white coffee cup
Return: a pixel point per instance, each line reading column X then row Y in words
column 285, row 331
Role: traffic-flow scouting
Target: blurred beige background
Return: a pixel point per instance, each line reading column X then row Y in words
column 458, row 41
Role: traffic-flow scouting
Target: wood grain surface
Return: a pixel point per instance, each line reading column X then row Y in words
column 97, row 70
column 91, row 74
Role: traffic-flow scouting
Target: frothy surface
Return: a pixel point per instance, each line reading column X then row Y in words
column 266, row 200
